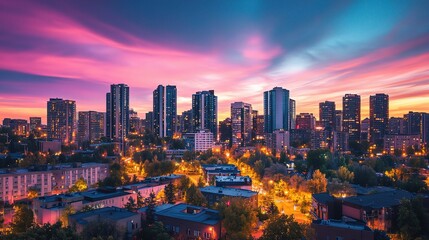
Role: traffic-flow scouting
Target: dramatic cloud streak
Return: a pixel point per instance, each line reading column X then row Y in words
column 240, row 49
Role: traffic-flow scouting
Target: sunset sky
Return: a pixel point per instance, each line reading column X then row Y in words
column 319, row 50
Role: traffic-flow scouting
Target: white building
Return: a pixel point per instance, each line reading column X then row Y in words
column 203, row 141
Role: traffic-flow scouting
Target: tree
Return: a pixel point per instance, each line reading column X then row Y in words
column 32, row 193
column 140, row 200
column 282, row 227
column 318, row 183
column 150, row 211
column 380, row 235
column 345, row 175
column 79, row 186
column 194, row 196
column 408, row 222
column 238, row 217
column 68, row 210
column 340, row 189
column 101, row 230
column 131, row 204
column 201, row 182
column 169, row 191
column 317, row 158
column 364, row 176
column 117, row 176
column 44, row 232
column 155, row 231
column 23, row 219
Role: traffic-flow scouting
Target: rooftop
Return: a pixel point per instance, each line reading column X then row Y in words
column 323, row 197
column 341, row 224
column 107, row 213
column 187, row 212
column 237, row 179
column 380, row 200
column 232, row 192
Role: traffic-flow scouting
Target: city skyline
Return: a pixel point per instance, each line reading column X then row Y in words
column 76, row 51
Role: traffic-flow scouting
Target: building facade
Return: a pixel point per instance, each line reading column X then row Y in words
column 90, row 126
column 61, row 117
column 351, row 116
column 204, row 111
column 276, row 109
column 117, row 113
column 241, row 124
column 378, row 117
column 164, row 110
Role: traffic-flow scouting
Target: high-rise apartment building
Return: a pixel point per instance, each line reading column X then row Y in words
column 90, row 126
column 225, row 132
column 378, row 117
column 338, row 121
column 148, row 121
column 292, row 114
column 351, row 116
column 276, row 110
column 327, row 115
column 204, row 111
column 165, row 110
column 117, row 113
column 396, row 126
column 186, row 122
column 61, row 120
column 417, row 123
column 241, row 123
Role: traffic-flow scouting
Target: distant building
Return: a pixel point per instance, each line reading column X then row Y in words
column 35, row 122
column 165, row 110
column 340, row 141
column 190, row 222
column 396, row 126
column 61, row 120
column 148, row 122
column 204, row 111
column 351, row 116
column 378, row 117
column 215, row 194
column 339, row 121
column 50, row 146
column 199, row 141
column 241, row 182
column 241, row 124
column 117, row 114
column 332, row 229
column 401, row 142
column 301, row 137
column 364, row 131
column 19, row 127
column 417, row 123
column 225, row 131
column 327, row 115
column 15, row 185
column 292, row 114
column 276, row 110
column 135, row 123
column 278, row 141
column 90, row 126
column 6, row 122
column 305, row 121
column 212, row 170
column 186, row 122
column 125, row 221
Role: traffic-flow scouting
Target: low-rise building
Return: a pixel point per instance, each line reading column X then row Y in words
column 15, row 185
column 401, row 142
column 242, row 182
column 212, row 170
column 191, row 222
column 124, row 221
column 331, row 229
column 215, row 194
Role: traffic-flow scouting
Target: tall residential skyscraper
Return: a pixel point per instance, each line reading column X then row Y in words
column 378, row 117
column 397, row 126
column 90, row 126
column 292, row 114
column 164, row 110
column 186, row 122
column 338, row 120
column 327, row 115
column 241, row 123
column 117, row 113
column 225, row 132
column 351, row 116
column 61, row 117
column 417, row 123
column 276, row 110
column 204, row 111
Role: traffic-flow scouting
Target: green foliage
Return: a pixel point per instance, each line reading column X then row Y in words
column 44, row 232
column 408, row 222
column 68, row 210
column 169, row 192
column 101, row 230
column 238, row 217
column 358, row 149
column 23, row 219
column 364, row 176
column 158, row 168
column 131, row 205
column 117, row 176
column 155, row 231
column 380, row 235
column 317, row 159
column 140, row 200
column 194, row 196
column 282, row 227
column 150, row 211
